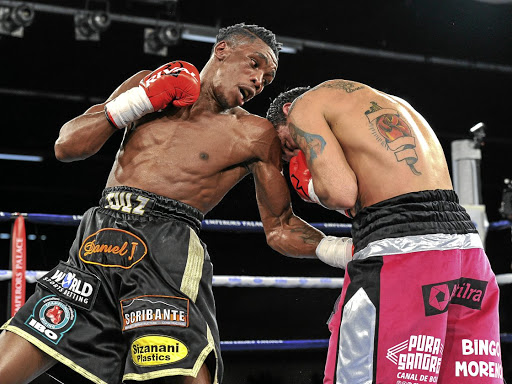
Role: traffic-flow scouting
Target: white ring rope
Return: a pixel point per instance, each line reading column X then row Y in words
column 231, row 281
column 278, row 282
column 255, row 281
column 503, row 279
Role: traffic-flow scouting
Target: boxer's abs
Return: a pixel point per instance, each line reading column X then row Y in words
column 201, row 190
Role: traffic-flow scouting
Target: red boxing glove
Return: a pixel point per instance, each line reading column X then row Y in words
column 302, row 182
column 176, row 82
column 300, row 176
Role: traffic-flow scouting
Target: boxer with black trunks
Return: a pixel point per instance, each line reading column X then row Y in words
column 134, row 300
column 419, row 301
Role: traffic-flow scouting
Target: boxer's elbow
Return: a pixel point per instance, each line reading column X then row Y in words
column 337, row 196
column 61, row 153
column 79, row 139
column 297, row 242
column 279, row 241
column 66, row 152
column 275, row 239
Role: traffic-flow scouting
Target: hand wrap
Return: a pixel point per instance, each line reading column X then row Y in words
column 335, row 251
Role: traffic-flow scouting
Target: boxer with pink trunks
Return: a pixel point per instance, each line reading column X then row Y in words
column 419, row 302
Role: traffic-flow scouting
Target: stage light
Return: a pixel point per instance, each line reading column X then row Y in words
column 13, row 20
column 157, row 40
column 90, row 24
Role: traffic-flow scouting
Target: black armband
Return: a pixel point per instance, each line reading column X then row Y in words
column 110, row 120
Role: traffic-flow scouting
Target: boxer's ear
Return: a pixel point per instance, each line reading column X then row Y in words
column 221, row 50
column 286, row 108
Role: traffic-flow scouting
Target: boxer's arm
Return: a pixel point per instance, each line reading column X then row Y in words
column 285, row 232
column 300, row 178
column 289, row 234
column 334, row 180
column 84, row 135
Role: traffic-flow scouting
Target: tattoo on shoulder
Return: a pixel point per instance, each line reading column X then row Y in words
column 391, row 130
column 312, row 144
column 347, row 86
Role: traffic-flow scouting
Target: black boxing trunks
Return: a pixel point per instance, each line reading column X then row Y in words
column 134, row 301
column 419, row 302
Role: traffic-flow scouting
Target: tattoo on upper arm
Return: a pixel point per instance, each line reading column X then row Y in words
column 312, row 144
column 392, row 131
column 347, row 86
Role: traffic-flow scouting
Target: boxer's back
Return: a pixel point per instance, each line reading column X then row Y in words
column 390, row 147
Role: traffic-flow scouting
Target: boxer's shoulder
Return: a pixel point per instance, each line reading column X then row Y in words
column 251, row 125
column 257, row 137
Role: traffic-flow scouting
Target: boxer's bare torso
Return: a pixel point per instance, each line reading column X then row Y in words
column 195, row 156
column 367, row 146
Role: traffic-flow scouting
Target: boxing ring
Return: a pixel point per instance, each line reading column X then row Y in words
column 299, row 340
column 20, row 275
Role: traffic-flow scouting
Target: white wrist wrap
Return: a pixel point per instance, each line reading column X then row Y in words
column 335, row 251
column 311, row 192
column 313, row 197
column 128, row 106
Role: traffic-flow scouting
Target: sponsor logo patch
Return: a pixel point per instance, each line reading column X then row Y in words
column 127, row 202
column 146, row 311
column 112, row 247
column 76, row 286
column 151, row 350
column 52, row 318
column 464, row 291
column 419, row 355
column 476, row 359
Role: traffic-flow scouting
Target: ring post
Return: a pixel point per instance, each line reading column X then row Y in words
column 466, row 157
column 18, row 265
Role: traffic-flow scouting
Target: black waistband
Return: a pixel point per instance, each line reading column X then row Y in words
column 142, row 203
column 416, row 213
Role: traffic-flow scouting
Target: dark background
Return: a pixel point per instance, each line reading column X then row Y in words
column 48, row 77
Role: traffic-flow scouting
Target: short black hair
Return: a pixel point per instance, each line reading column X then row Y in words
column 275, row 112
column 241, row 31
